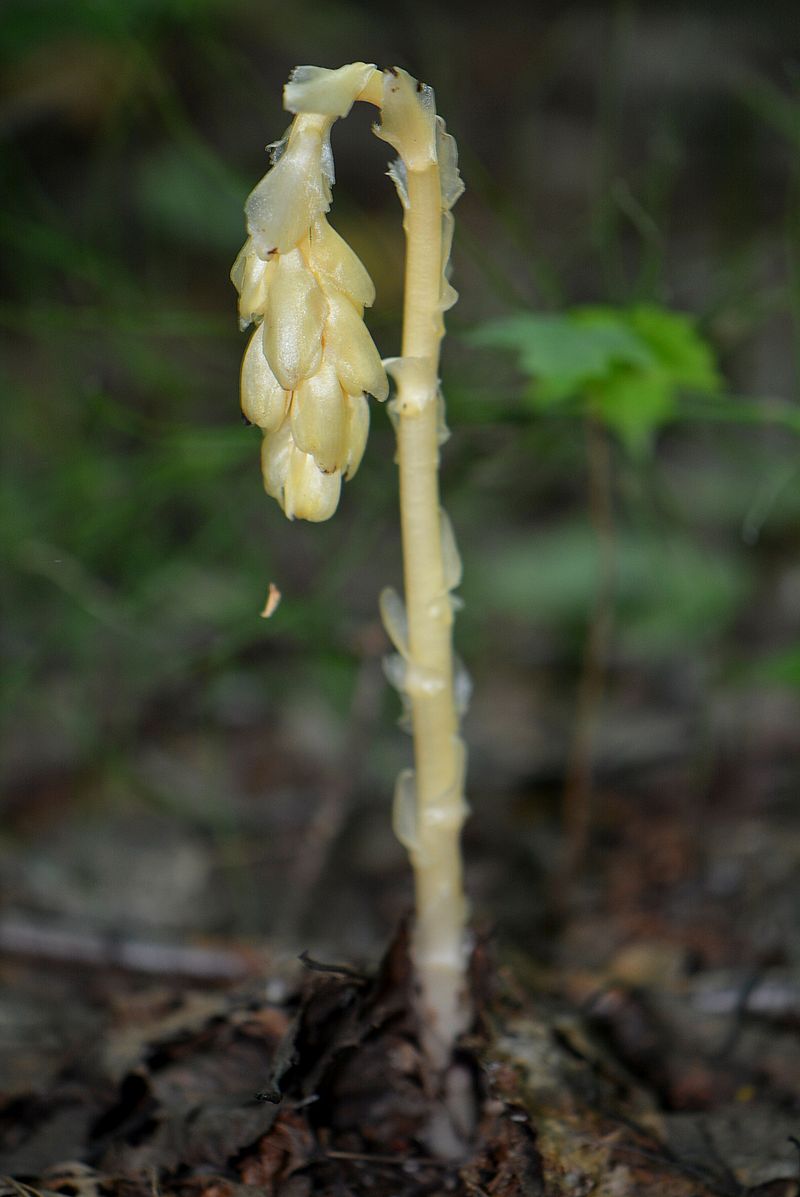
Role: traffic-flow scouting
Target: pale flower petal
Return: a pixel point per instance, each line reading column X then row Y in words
column 251, row 275
column 334, row 261
column 309, row 494
column 319, row 419
column 264, row 401
column 357, row 433
column 282, row 207
column 276, row 455
column 352, row 349
column 238, row 267
column 295, row 317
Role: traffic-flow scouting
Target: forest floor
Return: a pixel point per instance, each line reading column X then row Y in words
column 637, row 1035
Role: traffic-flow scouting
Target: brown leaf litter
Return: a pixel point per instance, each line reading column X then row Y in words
column 227, row 1095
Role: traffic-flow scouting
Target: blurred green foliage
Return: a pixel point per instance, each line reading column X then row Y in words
column 626, row 365
column 783, row 667
column 669, row 590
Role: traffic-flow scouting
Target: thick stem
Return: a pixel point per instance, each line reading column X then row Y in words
column 439, row 947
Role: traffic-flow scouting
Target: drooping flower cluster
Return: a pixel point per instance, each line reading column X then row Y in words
column 310, row 361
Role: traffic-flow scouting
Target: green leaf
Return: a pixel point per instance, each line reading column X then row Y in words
column 627, row 365
column 684, row 358
column 564, row 354
column 634, row 404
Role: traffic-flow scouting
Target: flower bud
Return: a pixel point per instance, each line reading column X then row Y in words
column 294, row 479
column 251, row 277
column 282, row 207
column 357, row 432
column 310, row 362
column 319, row 419
column 295, row 316
column 264, row 401
column 309, row 494
column 276, row 452
column 334, row 263
column 358, row 362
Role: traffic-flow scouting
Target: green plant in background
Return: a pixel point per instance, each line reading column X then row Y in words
column 306, row 373
column 623, row 370
column 624, row 367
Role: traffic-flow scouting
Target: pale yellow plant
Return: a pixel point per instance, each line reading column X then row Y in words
column 310, row 361
column 306, row 372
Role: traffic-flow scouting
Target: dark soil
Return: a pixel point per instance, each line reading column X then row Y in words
column 223, row 1094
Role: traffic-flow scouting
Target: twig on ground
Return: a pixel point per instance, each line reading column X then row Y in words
column 96, row 950
column 339, row 970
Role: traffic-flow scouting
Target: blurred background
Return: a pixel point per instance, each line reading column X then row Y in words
column 179, row 771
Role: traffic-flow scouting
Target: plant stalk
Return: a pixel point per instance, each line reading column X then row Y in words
column 439, row 936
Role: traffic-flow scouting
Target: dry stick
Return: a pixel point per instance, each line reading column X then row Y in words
column 20, row 937
column 578, row 788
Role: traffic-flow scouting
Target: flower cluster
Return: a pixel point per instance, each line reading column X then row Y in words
column 310, row 362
